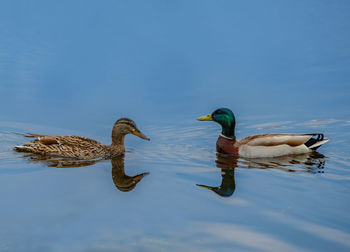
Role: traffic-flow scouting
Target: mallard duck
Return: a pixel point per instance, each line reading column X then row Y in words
column 260, row 146
column 82, row 147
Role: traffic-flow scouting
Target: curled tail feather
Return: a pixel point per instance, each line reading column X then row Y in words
column 316, row 141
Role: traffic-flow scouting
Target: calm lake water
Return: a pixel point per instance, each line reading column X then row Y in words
column 74, row 68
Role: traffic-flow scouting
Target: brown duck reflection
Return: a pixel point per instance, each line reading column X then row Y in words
column 121, row 181
column 310, row 162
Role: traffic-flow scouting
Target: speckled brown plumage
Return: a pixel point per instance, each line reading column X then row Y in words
column 82, row 147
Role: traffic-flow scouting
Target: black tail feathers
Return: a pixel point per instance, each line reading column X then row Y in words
column 316, row 137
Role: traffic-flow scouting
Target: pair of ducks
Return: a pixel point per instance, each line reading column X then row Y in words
column 256, row 146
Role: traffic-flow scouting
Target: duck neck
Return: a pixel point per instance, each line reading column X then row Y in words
column 117, row 138
column 228, row 131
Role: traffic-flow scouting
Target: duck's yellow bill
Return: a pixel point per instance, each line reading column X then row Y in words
column 205, row 118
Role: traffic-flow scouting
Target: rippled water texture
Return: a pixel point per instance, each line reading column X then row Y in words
column 74, row 68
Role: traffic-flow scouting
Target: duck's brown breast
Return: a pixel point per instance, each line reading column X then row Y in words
column 226, row 145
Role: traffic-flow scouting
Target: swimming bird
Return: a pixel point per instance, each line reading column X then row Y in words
column 79, row 147
column 263, row 145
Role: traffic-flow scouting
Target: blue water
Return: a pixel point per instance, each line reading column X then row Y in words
column 76, row 67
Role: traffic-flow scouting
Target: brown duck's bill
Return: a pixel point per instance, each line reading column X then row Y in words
column 205, row 118
column 140, row 135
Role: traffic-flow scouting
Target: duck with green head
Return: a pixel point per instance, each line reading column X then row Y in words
column 263, row 145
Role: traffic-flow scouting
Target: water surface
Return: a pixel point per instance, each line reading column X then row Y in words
column 76, row 67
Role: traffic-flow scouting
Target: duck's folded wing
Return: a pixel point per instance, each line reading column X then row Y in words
column 78, row 140
column 276, row 139
column 64, row 140
column 44, row 139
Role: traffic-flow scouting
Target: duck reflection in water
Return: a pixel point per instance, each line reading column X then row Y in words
column 121, row 181
column 228, row 184
column 311, row 162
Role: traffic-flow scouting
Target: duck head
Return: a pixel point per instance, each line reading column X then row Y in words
column 225, row 118
column 123, row 127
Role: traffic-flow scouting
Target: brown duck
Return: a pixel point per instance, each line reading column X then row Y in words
column 82, row 147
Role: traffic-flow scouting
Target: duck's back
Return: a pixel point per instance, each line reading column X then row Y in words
column 275, row 145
